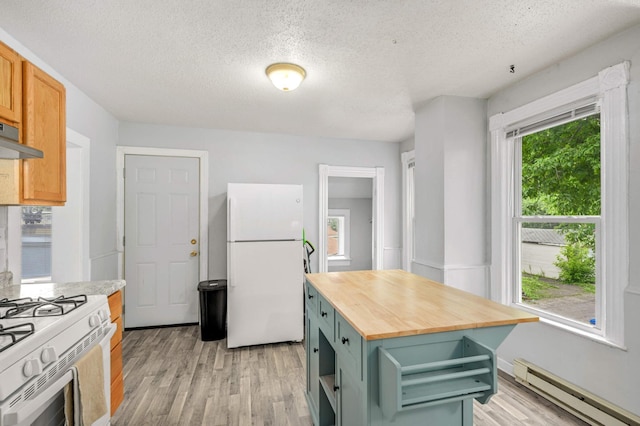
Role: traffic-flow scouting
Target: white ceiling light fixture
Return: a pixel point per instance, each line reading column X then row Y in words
column 286, row 77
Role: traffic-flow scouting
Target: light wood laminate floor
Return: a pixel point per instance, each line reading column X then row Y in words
column 173, row 378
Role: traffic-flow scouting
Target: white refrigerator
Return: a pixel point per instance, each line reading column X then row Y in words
column 264, row 264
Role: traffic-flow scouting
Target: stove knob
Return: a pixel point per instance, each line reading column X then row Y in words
column 31, row 368
column 103, row 315
column 48, row 355
column 94, row 321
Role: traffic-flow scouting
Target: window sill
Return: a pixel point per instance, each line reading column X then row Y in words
column 340, row 261
column 568, row 328
column 40, row 280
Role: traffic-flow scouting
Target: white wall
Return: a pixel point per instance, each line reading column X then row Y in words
column 360, row 216
column 91, row 120
column 407, row 145
column 609, row 372
column 272, row 158
column 451, row 197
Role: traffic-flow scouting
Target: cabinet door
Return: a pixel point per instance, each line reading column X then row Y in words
column 350, row 410
column 44, row 128
column 313, row 373
column 10, row 84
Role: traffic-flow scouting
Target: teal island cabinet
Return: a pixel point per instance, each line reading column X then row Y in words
column 393, row 348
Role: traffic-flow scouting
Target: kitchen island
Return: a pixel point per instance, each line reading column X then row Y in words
column 390, row 347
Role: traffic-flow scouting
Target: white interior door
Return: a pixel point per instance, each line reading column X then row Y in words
column 161, row 228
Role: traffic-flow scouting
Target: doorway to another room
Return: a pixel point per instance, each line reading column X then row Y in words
column 350, row 224
column 351, row 218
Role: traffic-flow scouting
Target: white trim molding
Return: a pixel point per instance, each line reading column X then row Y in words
column 407, row 225
column 203, row 156
column 375, row 173
column 609, row 89
column 84, row 143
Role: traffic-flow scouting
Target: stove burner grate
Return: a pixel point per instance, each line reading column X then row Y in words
column 14, row 334
column 41, row 307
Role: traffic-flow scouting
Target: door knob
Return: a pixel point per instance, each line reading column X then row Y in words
column 193, row 241
column 194, row 253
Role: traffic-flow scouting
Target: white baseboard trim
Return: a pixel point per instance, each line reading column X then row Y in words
column 505, row 366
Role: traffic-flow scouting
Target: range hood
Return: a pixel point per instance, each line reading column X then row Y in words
column 11, row 149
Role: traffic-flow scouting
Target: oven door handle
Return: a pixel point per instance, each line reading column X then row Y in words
column 17, row 417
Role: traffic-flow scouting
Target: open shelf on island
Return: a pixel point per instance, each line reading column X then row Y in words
column 328, row 382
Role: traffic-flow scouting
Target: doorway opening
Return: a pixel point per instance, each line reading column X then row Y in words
column 351, row 218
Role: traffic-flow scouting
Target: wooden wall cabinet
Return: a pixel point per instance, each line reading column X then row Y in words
column 10, row 85
column 117, row 380
column 40, row 113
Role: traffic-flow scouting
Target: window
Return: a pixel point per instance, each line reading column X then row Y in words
column 36, row 244
column 46, row 244
column 338, row 234
column 557, row 220
column 559, row 206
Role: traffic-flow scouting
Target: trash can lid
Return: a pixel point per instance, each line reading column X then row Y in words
column 212, row 285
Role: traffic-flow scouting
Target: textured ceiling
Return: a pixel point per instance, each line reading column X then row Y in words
column 201, row 63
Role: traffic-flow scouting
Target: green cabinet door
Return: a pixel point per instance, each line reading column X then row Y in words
column 313, row 357
column 350, row 398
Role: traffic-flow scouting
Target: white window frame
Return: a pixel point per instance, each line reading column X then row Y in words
column 345, row 238
column 408, row 209
column 609, row 88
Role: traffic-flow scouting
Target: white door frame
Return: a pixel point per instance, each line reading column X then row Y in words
column 407, row 225
column 375, row 173
column 203, row 156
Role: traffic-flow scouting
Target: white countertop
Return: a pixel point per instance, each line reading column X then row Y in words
column 106, row 287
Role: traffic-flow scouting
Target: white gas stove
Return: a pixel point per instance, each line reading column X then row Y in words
column 40, row 340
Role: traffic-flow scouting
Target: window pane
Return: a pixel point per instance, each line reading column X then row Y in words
column 36, row 243
column 335, row 230
column 561, row 170
column 558, row 269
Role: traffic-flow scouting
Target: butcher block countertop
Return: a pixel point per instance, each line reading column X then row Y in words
column 394, row 303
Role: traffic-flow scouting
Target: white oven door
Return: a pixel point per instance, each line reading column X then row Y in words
column 47, row 408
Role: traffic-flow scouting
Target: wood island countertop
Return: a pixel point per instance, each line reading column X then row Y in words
column 394, row 303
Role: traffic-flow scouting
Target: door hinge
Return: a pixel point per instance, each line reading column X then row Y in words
column 123, row 308
column 124, row 239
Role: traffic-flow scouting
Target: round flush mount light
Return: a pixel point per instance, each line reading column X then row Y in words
column 284, row 76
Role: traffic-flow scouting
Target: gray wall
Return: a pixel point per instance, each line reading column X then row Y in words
column 245, row 157
column 609, row 372
column 450, row 193
column 361, row 232
column 407, row 145
column 91, row 120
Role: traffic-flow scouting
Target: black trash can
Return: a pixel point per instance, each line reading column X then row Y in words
column 213, row 309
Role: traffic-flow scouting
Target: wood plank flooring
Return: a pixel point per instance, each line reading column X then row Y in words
column 173, row 378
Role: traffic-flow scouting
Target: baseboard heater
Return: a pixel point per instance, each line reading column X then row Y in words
column 577, row 401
